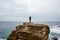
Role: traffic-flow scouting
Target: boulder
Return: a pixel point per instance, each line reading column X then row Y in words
column 30, row 31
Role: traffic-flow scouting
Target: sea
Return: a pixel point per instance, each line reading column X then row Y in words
column 6, row 28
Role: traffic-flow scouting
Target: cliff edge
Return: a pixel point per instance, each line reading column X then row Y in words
column 30, row 31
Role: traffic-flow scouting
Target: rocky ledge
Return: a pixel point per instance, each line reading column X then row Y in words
column 30, row 31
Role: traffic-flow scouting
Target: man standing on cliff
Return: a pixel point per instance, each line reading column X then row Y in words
column 30, row 19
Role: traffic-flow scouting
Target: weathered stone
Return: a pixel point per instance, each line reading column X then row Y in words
column 30, row 31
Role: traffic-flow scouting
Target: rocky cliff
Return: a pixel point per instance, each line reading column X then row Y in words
column 30, row 31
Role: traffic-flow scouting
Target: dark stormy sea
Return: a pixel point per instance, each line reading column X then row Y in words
column 6, row 28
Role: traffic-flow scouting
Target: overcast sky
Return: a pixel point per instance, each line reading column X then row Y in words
column 20, row 10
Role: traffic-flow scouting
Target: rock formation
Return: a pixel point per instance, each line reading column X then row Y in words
column 30, row 31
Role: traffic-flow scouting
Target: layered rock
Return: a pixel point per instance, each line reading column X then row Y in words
column 30, row 31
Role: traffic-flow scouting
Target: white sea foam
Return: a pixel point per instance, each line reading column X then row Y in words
column 59, row 39
column 55, row 29
column 2, row 39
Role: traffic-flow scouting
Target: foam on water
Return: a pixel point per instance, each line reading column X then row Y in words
column 2, row 39
column 55, row 31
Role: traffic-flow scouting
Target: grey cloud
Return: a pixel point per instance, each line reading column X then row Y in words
column 44, row 10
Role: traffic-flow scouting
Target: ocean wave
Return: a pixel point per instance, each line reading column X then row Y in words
column 55, row 29
column 2, row 39
column 56, row 26
column 54, row 32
